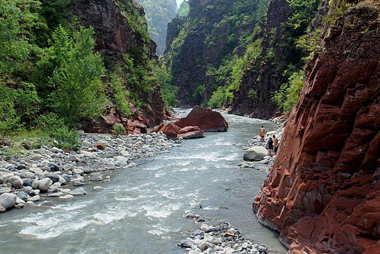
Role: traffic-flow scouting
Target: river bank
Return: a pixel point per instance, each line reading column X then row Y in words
column 54, row 173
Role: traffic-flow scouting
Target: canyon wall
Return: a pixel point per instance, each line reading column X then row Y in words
column 323, row 191
column 117, row 34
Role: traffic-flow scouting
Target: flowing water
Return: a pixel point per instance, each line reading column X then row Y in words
column 141, row 210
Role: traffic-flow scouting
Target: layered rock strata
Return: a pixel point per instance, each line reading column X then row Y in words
column 322, row 192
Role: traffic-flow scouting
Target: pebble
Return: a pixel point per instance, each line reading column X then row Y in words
column 218, row 238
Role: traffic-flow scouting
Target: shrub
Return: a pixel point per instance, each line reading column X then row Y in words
column 67, row 138
column 118, row 129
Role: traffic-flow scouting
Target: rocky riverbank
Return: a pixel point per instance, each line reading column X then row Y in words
column 52, row 172
column 256, row 154
column 217, row 237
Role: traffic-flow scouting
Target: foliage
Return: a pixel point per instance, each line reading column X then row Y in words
column 287, row 97
column 67, row 138
column 16, row 19
column 79, row 91
column 168, row 91
column 184, row 9
column 8, row 116
column 121, row 95
column 118, row 129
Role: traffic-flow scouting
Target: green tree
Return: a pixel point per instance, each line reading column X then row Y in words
column 168, row 91
column 79, row 91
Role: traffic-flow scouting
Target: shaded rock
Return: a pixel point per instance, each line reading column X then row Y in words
column 190, row 132
column 53, row 167
column 27, row 189
column 27, row 182
column 206, row 119
column 54, row 177
column 185, row 244
column 255, row 153
column 8, row 200
column 22, row 195
column 2, row 209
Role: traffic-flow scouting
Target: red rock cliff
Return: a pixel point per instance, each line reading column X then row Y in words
column 323, row 191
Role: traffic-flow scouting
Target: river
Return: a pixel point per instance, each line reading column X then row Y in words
column 142, row 209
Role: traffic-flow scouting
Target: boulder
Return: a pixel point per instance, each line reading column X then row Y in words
column 16, row 182
column 255, row 153
column 206, row 119
column 8, row 200
column 191, row 132
column 44, row 184
column 170, row 130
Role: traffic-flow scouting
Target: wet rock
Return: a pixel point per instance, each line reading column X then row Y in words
column 255, row 153
column 54, row 177
column 54, row 188
column 8, row 200
column 27, row 182
column 97, row 188
column 35, row 198
column 2, row 209
column 53, row 167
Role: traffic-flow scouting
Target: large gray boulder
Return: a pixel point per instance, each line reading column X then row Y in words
column 8, row 200
column 44, row 184
column 255, row 153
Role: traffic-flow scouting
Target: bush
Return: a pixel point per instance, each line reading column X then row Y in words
column 67, row 138
column 79, row 91
column 118, row 129
column 287, row 97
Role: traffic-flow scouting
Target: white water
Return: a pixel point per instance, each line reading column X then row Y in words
column 141, row 210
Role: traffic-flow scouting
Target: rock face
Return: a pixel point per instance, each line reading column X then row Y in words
column 159, row 14
column 322, row 192
column 206, row 119
column 115, row 37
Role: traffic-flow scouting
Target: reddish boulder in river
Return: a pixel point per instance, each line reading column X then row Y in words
column 323, row 190
column 206, row 119
column 191, row 132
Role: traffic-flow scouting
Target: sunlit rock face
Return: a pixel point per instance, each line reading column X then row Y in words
column 322, row 192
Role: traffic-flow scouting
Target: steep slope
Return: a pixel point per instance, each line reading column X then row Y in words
column 159, row 14
column 121, row 33
column 209, row 36
column 322, row 192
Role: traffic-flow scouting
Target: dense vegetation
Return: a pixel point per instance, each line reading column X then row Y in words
column 158, row 14
column 233, row 42
column 52, row 80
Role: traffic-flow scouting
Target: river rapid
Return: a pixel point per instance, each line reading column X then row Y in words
column 142, row 209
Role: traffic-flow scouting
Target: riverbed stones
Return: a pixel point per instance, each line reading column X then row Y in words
column 45, row 170
column 255, row 153
column 66, row 197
